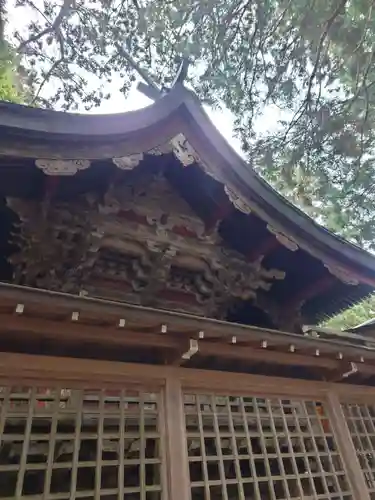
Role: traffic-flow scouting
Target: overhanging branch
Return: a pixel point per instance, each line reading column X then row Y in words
column 53, row 28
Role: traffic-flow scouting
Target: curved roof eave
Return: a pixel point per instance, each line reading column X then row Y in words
column 26, row 131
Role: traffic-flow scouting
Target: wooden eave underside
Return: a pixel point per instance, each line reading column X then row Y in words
column 102, row 329
column 29, row 132
column 307, row 282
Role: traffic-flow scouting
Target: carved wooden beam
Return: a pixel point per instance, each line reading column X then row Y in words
column 263, row 248
column 50, row 186
column 346, row 372
column 52, row 166
column 220, row 213
column 249, row 354
column 40, row 302
column 185, row 352
column 183, row 349
column 313, row 289
column 291, row 318
column 77, row 332
column 269, row 306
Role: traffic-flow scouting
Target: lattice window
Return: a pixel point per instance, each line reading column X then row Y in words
column 66, row 444
column 361, row 422
column 258, row 449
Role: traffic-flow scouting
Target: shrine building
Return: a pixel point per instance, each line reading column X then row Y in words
column 158, row 312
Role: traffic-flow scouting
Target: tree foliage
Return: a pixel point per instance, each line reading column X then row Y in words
column 10, row 89
column 359, row 313
column 8, row 81
column 310, row 60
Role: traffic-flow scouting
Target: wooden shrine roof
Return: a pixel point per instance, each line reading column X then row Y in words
column 324, row 273
column 32, row 132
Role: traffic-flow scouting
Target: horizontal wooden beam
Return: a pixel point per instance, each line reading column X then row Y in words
column 265, row 356
column 183, row 324
column 78, row 333
column 96, row 374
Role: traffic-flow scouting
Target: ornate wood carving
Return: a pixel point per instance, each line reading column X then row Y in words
column 237, row 201
column 128, row 162
column 342, row 275
column 178, row 145
column 183, row 151
column 61, row 167
column 283, row 239
column 57, row 244
column 143, row 244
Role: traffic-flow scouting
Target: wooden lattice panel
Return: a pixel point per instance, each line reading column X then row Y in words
column 361, row 422
column 66, row 444
column 258, row 449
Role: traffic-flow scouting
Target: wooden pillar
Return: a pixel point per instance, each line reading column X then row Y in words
column 176, row 446
column 346, row 448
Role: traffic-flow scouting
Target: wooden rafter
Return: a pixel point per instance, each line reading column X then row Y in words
column 264, row 248
column 220, row 212
column 312, row 290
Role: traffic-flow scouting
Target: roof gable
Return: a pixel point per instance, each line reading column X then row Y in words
column 177, row 123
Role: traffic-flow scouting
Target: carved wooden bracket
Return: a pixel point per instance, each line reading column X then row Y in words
column 61, row 167
column 183, row 151
column 287, row 241
column 237, row 201
column 341, row 274
column 128, row 162
column 178, row 145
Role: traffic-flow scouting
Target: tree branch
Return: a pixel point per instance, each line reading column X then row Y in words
column 307, row 100
column 133, row 64
column 53, row 28
column 33, row 6
column 2, row 21
column 52, row 68
column 323, row 37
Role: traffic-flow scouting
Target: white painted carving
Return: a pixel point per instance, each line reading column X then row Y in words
column 342, row 274
column 162, row 149
column 237, row 201
column 286, row 241
column 128, row 162
column 61, row 167
column 183, row 151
